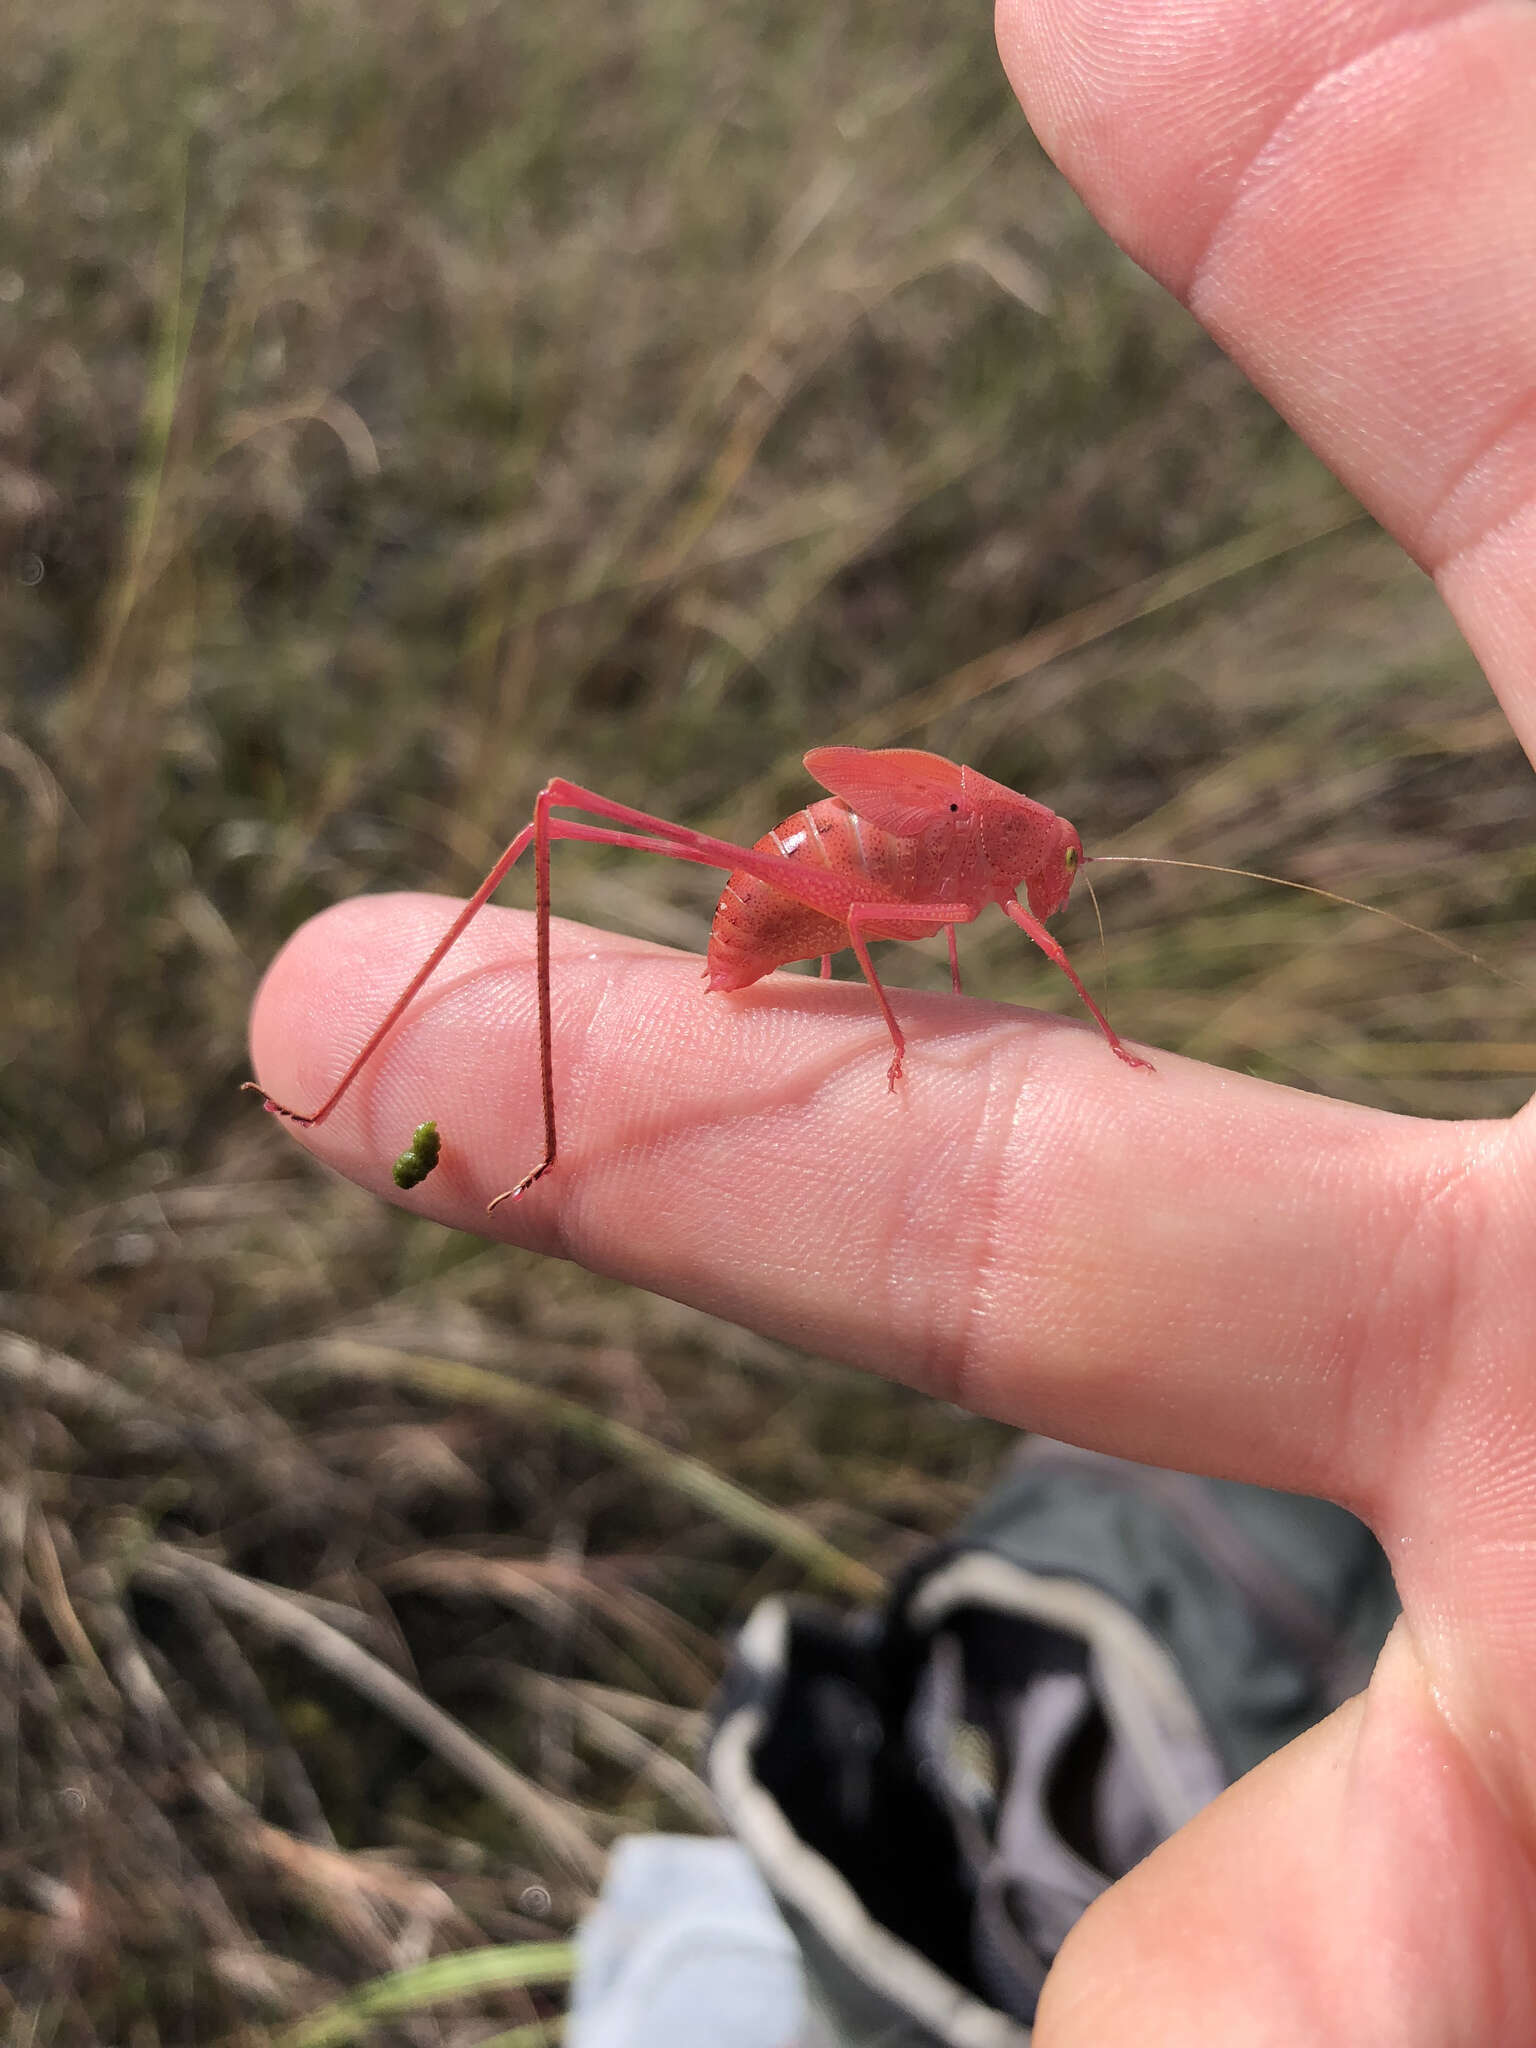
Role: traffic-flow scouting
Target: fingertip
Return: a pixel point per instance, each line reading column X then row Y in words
column 324, row 992
column 462, row 1056
column 306, row 992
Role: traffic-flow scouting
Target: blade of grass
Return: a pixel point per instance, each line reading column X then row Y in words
column 535, row 2035
column 438, row 1982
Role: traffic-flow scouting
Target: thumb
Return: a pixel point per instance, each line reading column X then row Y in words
column 1361, row 1885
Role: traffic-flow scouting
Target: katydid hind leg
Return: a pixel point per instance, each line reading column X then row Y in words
column 675, row 841
column 541, row 839
column 682, row 844
column 557, row 791
column 307, row 1120
column 817, row 887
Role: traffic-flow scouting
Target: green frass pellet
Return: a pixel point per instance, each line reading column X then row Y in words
column 414, row 1166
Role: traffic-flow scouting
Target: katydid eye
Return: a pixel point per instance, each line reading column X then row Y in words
column 1072, row 857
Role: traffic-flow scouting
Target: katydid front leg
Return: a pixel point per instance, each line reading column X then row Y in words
column 1034, row 929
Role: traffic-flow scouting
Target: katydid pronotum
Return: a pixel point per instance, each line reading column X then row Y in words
column 906, row 845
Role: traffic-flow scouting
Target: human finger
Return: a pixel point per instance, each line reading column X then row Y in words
column 1345, row 195
column 1363, row 1885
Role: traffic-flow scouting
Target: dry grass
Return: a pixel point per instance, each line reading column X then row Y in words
column 397, row 404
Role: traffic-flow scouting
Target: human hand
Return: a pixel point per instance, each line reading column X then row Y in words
column 1286, row 1289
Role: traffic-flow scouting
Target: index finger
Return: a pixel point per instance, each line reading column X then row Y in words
column 1147, row 1261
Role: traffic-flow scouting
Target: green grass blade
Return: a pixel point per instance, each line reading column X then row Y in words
column 438, row 1982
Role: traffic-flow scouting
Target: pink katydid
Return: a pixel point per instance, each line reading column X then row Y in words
column 907, row 845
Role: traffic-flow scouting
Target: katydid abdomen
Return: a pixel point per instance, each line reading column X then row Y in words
column 758, row 926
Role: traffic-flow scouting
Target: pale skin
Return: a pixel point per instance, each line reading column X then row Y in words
column 1191, row 1268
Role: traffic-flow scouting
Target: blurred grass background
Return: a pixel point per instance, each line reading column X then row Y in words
column 399, row 404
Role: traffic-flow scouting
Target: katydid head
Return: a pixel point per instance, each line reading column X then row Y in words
column 1048, row 883
column 1023, row 845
